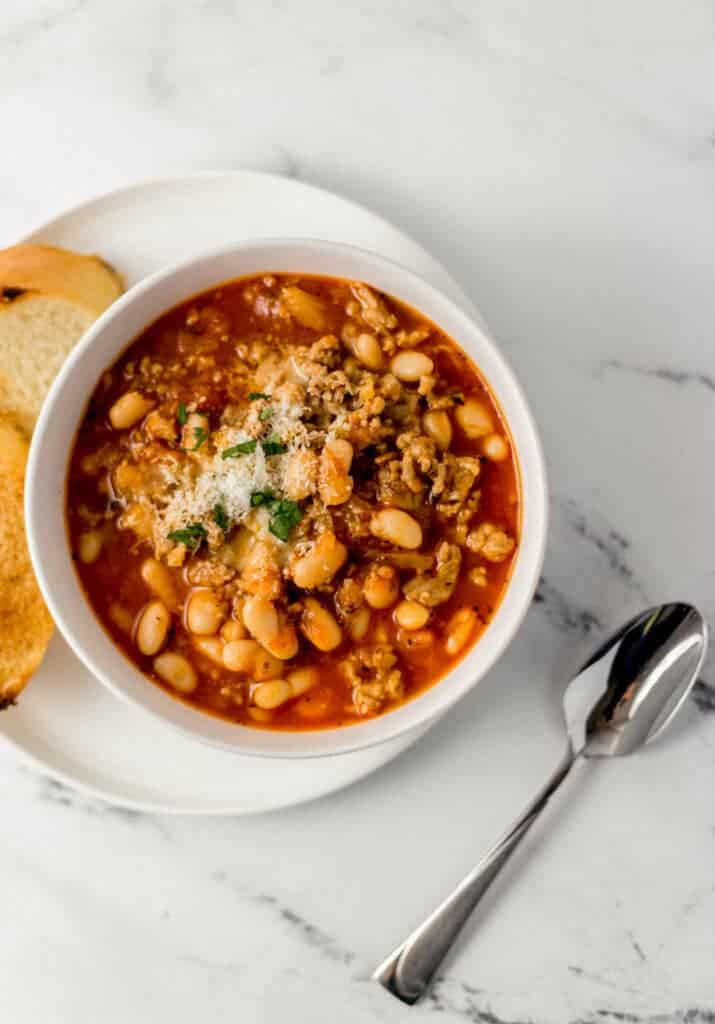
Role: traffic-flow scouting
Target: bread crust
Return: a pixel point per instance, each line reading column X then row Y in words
column 26, row 623
column 83, row 280
column 48, row 299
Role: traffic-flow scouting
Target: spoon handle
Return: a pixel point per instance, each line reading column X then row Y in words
column 409, row 969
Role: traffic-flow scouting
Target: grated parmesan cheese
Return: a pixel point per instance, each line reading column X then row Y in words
column 211, row 480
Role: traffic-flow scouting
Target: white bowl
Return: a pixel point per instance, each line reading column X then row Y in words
column 65, row 407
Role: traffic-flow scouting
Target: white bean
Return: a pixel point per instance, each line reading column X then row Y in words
column 381, row 586
column 128, row 410
column 320, row 564
column 368, row 351
column 158, row 578
column 233, row 630
column 396, row 527
column 121, row 618
column 266, row 665
column 308, row 309
column 319, row 626
column 211, row 647
column 474, row 418
column 278, row 636
column 260, row 617
column 358, row 624
column 495, row 447
column 240, row 655
column 459, row 630
column 272, row 694
column 411, row 615
column 303, row 679
column 204, row 613
column 437, row 425
column 409, row 365
column 89, row 546
column 152, row 628
column 176, row 670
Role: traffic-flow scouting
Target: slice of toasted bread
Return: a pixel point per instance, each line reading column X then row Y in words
column 84, row 281
column 48, row 299
column 26, row 626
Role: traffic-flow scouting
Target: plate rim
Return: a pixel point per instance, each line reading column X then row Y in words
column 83, row 208
column 28, row 760
column 456, row 292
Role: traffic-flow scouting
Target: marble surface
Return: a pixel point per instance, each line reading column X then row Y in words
column 560, row 159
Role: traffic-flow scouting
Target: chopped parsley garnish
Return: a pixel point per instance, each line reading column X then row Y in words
column 285, row 514
column 220, row 517
column 200, row 436
column 244, row 448
column 181, row 414
column 262, row 498
column 255, row 395
column 273, row 446
column 191, row 535
column 266, row 413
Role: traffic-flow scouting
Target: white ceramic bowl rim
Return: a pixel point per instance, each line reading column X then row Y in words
column 65, row 406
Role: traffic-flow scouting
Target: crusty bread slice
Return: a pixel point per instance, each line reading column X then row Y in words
column 81, row 280
column 26, row 626
column 48, row 299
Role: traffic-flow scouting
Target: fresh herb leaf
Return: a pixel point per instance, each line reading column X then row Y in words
column 273, row 446
column 266, row 413
column 254, row 395
column 285, row 514
column 191, row 535
column 181, row 414
column 244, row 448
column 200, row 436
column 220, row 517
column 262, row 498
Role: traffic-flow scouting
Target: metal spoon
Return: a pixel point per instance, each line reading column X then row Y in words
column 624, row 696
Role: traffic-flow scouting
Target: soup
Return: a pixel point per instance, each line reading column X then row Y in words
column 293, row 502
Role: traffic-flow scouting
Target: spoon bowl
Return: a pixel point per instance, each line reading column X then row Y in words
column 632, row 687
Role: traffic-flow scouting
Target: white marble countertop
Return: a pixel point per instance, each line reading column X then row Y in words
column 560, row 160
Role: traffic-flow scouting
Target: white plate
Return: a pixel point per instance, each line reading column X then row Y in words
column 66, row 723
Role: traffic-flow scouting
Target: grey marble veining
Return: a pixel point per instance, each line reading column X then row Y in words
column 673, row 376
column 704, row 695
column 560, row 161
